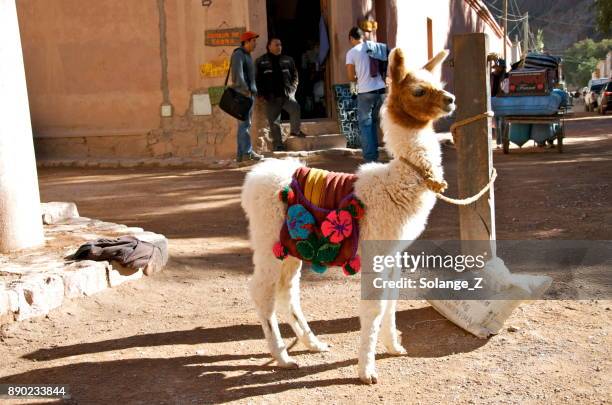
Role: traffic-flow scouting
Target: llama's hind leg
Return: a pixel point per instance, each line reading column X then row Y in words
column 288, row 303
column 262, row 288
column 388, row 333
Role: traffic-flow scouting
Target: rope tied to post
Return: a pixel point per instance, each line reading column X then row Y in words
column 439, row 186
column 466, row 121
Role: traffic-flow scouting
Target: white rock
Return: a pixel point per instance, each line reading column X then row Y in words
column 54, row 212
column 109, row 227
column 37, row 295
column 13, row 298
column 119, row 274
column 85, row 277
column 78, row 221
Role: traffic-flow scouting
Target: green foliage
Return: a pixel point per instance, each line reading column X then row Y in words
column 581, row 59
column 603, row 8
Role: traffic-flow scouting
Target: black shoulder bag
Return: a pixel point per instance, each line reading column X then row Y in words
column 235, row 103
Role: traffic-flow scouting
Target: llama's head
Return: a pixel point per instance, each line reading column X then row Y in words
column 417, row 97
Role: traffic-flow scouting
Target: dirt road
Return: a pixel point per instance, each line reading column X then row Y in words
column 190, row 335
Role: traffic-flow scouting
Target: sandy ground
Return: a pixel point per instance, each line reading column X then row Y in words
column 190, row 334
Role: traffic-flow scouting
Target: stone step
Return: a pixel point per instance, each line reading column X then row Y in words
column 331, row 154
column 318, row 127
column 316, row 142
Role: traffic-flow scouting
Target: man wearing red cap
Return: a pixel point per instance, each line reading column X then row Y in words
column 243, row 81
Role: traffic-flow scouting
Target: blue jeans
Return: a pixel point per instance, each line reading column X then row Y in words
column 368, row 109
column 244, row 135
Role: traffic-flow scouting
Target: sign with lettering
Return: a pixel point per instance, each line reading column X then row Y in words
column 346, row 106
column 223, row 37
column 215, row 68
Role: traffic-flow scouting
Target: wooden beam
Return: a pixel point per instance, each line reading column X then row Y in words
column 473, row 141
column 429, row 38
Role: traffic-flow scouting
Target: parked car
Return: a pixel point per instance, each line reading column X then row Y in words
column 595, row 87
column 604, row 101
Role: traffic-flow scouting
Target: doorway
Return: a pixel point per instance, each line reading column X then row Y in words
column 296, row 24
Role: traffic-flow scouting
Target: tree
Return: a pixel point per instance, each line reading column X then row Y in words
column 581, row 59
column 603, row 9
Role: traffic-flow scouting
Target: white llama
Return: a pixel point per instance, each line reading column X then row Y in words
column 398, row 198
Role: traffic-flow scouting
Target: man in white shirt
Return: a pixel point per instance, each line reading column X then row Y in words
column 371, row 91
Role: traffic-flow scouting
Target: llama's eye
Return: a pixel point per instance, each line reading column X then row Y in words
column 418, row 92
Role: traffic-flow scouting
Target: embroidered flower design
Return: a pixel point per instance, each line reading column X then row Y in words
column 300, row 222
column 280, row 251
column 337, row 226
column 356, row 208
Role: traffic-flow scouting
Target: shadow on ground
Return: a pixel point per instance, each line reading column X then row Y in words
column 425, row 334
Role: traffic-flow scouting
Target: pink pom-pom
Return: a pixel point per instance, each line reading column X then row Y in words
column 353, row 266
column 280, row 251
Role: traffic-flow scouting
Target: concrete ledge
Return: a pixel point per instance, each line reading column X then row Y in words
column 332, row 153
column 196, row 163
column 54, row 212
column 308, row 156
column 36, row 281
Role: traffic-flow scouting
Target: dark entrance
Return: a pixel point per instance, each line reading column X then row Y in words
column 296, row 23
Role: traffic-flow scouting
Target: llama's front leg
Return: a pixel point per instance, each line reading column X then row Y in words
column 262, row 289
column 388, row 333
column 370, row 315
column 288, row 302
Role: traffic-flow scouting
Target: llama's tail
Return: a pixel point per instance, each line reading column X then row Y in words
column 259, row 197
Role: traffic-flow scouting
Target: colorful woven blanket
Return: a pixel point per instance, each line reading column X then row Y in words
column 322, row 220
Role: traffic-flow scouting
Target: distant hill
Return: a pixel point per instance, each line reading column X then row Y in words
column 564, row 22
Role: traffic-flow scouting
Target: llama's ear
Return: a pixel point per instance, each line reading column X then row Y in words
column 397, row 67
column 436, row 60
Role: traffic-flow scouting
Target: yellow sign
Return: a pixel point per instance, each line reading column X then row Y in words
column 215, row 68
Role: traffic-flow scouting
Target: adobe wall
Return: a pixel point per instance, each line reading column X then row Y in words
column 448, row 18
column 97, row 78
column 99, row 73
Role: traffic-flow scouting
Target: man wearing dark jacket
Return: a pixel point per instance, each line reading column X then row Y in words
column 277, row 81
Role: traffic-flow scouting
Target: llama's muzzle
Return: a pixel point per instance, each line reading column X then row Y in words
column 449, row 102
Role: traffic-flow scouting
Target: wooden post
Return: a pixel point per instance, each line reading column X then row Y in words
column 477, row 220
column 473, row 141
column 505, row 28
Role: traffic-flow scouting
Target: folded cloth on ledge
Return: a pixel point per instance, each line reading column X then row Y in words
column 127, row 250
